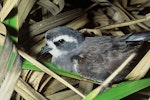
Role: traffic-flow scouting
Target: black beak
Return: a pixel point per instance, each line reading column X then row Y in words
column 44, row 50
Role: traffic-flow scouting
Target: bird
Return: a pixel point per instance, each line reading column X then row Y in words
column 94, row 58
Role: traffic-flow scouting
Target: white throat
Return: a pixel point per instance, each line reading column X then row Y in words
column 66, row 63
column 55, row 52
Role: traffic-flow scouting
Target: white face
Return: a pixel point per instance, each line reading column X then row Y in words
column 66, row 38
column 55, row 51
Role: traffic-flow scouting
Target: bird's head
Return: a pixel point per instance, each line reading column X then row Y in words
column 61, row 41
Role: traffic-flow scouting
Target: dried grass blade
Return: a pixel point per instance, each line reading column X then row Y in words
column 3, row 29
column 123, row 16
column 5, row 57
column 146, row 18
column 55, row 86
column 79, row 22
column 54, row 21
column 133, row 18
column 141, row 68
column 23, row 10
column 35, row 79
column 2, row 39
column 7, row 8
column 60, row 3
column 9, row 83
column 4, row 32
column 48, row 71
column 86, row 88
column 24, row 89
column 50, row 6
column 23, row 94
column 63, row 95
column 75, row 97
column 44, row 83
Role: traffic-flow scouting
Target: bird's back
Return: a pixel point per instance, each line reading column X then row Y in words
column 100, row 56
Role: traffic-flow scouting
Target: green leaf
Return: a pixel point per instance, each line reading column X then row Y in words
column 12, row 24
column 29, row 66
column 123, row 89
column 62, row 72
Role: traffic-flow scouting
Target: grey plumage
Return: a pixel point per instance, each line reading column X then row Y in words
column 104, row 54
column 92, row 57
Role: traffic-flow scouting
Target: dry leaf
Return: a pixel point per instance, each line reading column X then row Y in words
column 95, row 31
column 3, row 29
column 141, row 68
column 7, row 8
column 24, row 8
column 79, row 22
column 100, row 18
column 137, row 2
column 53, row 7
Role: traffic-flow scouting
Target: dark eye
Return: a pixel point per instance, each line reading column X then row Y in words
column 59, row 42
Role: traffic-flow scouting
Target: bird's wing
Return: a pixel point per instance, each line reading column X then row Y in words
column 100, row 56
column 140, row 36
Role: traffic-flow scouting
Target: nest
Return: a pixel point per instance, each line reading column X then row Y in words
column 22, row 27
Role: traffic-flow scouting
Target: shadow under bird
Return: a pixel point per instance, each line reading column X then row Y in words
column 94, row 58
